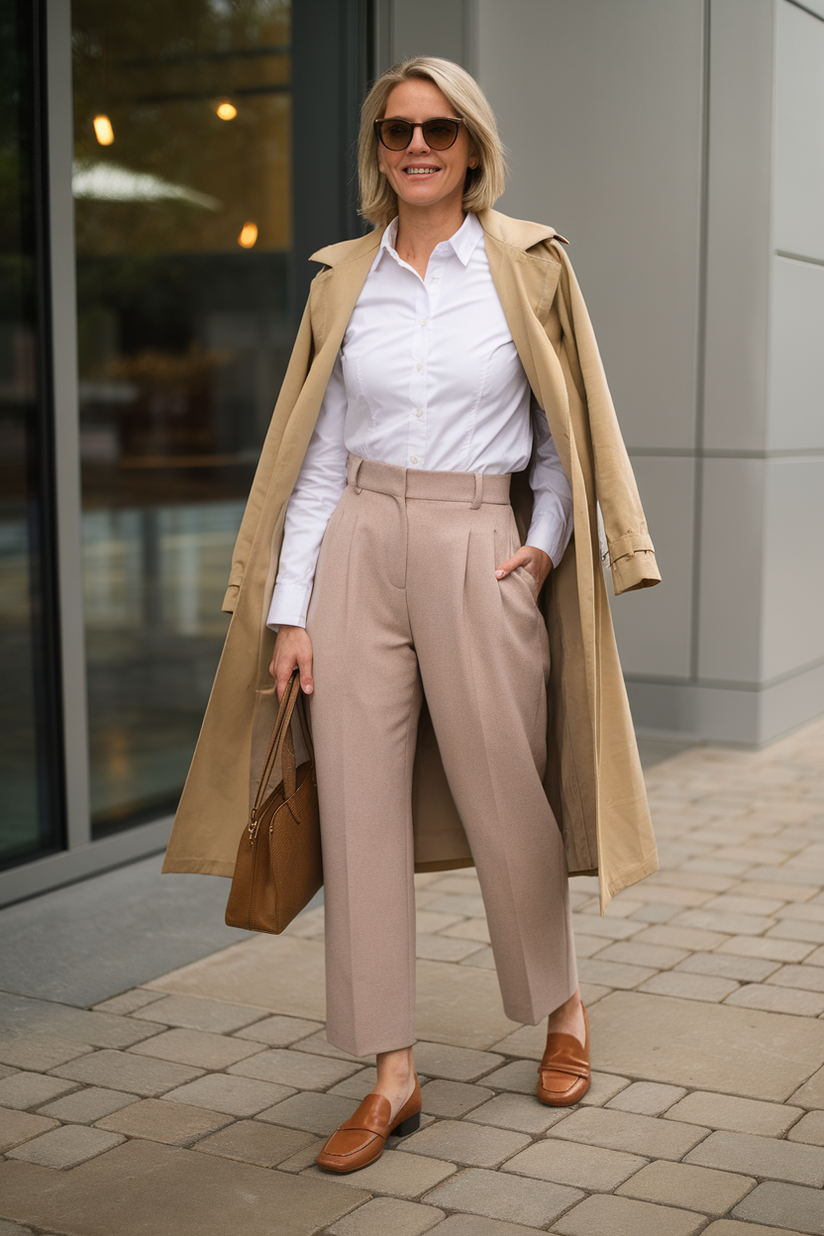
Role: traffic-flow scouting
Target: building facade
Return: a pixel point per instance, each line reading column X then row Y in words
column 168, row 168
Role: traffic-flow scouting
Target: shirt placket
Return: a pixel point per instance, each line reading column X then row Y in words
column 426, row 295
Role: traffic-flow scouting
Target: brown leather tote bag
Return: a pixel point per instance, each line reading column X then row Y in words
column 278, row 868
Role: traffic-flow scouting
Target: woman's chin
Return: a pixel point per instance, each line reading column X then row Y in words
column 429, row 194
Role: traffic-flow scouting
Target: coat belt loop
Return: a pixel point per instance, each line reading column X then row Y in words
column 478, row 496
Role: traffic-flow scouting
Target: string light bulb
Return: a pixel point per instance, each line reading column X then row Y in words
column 103, row 130
column 226, row 110
column 248, row 235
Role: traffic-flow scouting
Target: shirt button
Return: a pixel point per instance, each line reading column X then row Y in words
column 414, row 459
column 420, row 367
column 423, row 321
column 419, row 412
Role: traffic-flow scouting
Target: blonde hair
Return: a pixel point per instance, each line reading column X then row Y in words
column 484, row 184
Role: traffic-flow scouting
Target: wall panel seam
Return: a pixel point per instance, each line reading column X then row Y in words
column 799, row 257
column 805, row 9
column 728, row 684
column 701, row 352
column 684, row 452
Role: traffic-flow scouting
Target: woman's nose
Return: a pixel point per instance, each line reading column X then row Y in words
column 418, row 143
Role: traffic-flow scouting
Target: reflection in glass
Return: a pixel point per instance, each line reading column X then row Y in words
column 29, row 788
column 182, row 186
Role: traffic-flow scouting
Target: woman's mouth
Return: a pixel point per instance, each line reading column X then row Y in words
column 420, row 171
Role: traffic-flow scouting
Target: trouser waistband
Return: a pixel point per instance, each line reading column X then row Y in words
column 472, row 487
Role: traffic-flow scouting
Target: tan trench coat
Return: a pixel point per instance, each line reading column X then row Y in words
column 594, row 780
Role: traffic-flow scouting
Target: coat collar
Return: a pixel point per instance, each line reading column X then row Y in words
column 515, row 233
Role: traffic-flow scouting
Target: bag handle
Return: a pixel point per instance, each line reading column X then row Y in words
column 281, row 738
column 307, row 737
column 289, row 763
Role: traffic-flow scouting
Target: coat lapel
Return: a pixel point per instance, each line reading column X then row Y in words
column 336, row 289
column 332, row 298
column 526, row 284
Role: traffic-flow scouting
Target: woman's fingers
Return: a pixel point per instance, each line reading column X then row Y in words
column 307, row 683
column 293, row 650
column 536, row 561
column 506, row 568
column 282, row 675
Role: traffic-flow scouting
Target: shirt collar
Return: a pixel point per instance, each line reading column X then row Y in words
column 463, row 243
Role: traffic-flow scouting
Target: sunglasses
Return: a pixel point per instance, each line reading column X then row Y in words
column 439, row 134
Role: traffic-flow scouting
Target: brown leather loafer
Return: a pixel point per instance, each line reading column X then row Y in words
column 360, row 1140
column 563, row 1074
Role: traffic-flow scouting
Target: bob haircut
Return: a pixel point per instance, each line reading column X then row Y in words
column 484, row 184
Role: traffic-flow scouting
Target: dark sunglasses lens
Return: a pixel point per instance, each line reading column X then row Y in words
column 440, row 134
column 395, row 134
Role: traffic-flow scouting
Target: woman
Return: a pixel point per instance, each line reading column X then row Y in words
column 441, row 356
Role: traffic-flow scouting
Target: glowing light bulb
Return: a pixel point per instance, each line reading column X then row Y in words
column 103, row 130
column 248, row 235
column 226, row 111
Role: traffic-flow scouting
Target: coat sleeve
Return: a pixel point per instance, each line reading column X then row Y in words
column 296, row 371
column 631, row 551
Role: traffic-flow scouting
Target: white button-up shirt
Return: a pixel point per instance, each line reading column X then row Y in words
column 428, row 377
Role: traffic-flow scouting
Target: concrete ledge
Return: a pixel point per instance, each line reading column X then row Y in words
column 28, row 879
column 696, row 712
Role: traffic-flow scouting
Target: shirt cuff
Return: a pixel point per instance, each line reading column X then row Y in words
column 290, row 603
column 546, row 533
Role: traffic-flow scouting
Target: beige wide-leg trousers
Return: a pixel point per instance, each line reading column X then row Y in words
column 406, row 603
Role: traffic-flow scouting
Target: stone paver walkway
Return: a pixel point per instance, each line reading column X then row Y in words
column 196, row 1104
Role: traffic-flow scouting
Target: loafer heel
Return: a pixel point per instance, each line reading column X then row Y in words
column 410, row 1125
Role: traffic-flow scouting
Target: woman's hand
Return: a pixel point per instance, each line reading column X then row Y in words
column 538, row 563
column 293, row 649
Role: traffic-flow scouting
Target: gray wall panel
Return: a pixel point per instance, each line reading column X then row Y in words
column 425, row 28
column 799, row 132
column 600, row 106
column 730, row 570
column 793, row 584
column 796, row 383
column 738, row 227
column 653, row 626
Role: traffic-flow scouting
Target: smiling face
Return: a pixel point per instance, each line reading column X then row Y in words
column 420, row 176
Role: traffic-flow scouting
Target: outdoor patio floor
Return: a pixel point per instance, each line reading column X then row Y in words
column 194, row 1103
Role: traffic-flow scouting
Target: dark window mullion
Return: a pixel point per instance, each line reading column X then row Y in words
column 48, row 678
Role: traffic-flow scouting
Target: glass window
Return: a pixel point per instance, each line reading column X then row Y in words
column 182, row 185
column 29, row 707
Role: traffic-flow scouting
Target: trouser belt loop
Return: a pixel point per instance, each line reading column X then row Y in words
column 355, row 472
column 478, row 496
